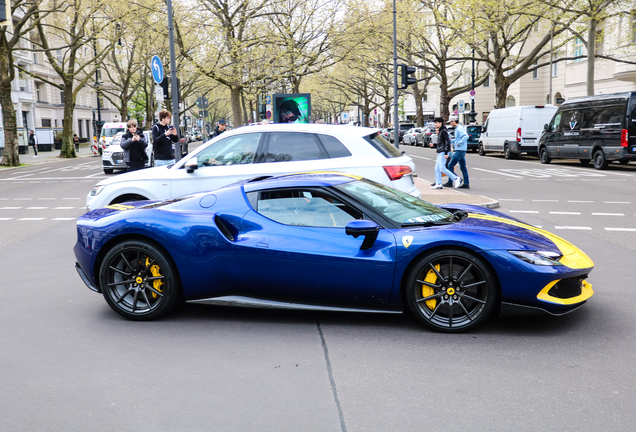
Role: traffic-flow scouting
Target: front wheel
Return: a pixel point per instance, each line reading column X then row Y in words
column 482, row 152
column 507, row 153
column 139, row 281
column 450, row 291
column 544, row 157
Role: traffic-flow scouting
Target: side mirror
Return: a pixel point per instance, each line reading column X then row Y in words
column 368, row 229
column 546, row 127
column 192, row 165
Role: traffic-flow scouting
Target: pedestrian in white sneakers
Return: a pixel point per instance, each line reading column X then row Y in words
column 443, row 149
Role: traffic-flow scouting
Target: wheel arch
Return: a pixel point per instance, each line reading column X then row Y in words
column 445, row 247
column 130, row 196
column 130, row 237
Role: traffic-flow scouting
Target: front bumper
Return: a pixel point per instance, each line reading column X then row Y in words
column 83, row 276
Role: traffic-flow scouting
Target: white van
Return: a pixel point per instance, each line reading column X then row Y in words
column 514, row 130
column 109, row 130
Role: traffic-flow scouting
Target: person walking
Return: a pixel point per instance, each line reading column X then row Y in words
column 443, row 148
column 33, row 140
column 163, row 137
column 134, row 144
column 76, row 141
column 460, row 145
column 219, row 129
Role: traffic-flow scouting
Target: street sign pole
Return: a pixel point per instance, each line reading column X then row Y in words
column 396, row 121
column 173, row 82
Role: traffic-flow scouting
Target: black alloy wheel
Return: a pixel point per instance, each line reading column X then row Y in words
column 544, row 157
column 600, row 163
column 482, row 152
column 139, row 281
column 450, row 291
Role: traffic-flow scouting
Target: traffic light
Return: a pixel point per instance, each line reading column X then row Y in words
column 164, row 86
column 405, row 71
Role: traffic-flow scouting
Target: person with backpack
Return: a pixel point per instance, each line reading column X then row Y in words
column 163, row 137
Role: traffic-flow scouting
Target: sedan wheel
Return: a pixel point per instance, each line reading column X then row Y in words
column 450, row 291
column 139, row 281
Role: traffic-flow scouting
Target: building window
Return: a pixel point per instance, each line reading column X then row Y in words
column 38, row 91
column 578, row 49
column 79, row 128
column 487, row 82
column 425, row 95
column 46, row 123
column 555, row 65
column 58, row 55
column 535, row 73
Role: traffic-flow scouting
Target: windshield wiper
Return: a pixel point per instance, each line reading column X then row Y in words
column 425, row 224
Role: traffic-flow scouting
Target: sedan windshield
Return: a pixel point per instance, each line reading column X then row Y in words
column 400, row 207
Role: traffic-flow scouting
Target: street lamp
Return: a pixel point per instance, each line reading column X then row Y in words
column 473, row 113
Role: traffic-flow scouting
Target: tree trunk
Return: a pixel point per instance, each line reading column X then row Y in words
column 11, row 156
column 501, row 89
column 591, row 54
column 68, row 148
column 444, row 100
column 235, row 98
column 419, row 115
column 246, row 114
column 366, row 112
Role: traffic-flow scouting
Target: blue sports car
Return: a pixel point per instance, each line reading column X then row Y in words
column 327, row 240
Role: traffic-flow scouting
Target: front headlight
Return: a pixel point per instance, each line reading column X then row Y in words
column 96, row 190
column 544, row 258
column 107, row 152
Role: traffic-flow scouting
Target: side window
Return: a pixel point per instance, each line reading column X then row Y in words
column 334, row 148
column 304, row 207
column 235, row 150
column 484, row 128
column 571, row 120
column 293, row 146
column 590, row 115
column 556, row 122
column 610, row 117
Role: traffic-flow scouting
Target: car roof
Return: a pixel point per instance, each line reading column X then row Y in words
column 307, row 179
column 339, row 130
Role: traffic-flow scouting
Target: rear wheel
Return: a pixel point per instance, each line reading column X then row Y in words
column 600, row 163
column 544, row 157
column 507, row 153
column 139, row 281
column 450, row 291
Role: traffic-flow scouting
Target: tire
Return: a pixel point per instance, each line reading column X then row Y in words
column 108, row 170
column 507, row 153
column 544, row 157
column 459, row 288
column 584, row 162
column 482, row 152
column 139, row 281
column 600, row 163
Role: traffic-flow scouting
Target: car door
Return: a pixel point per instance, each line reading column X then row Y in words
column 570, row 127
column 293, row 245
column 554, row 136
column 224, row 162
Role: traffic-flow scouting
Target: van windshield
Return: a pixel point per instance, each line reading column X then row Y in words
column 111, row 132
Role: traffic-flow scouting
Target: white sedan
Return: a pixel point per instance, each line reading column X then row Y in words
column 410, row 137
column 264, row 150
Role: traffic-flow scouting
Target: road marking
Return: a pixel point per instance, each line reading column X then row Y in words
column 545, row 200
column 523, row 211
column 36, row 208
column 497, row 172
column 510, row 199
column 617, row 180
column 63, row 208
column 3, row 219
column 608, row 214
column 573, row 228
column 411, row 155
column 621, row 229
column 10, row 208
column 46, row 199
column 589, row 202
column 71, row 198
column 32, row 219
column 60, row 219
column 22, row 199
column 616, row 202
column 565, row 213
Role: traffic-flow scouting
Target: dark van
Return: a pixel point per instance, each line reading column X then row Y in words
column 595, row 128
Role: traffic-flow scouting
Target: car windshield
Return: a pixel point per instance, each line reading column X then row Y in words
column 111, row 132
column 398, row 206
column 473, row 129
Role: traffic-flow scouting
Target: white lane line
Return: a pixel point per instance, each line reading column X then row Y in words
column 545, row 200
column 616, row 202
column 498, row 172
column 71, row 198
column 36, row 208
column 573, row 228
column 565, row 213
column 510, row 199
column 523, row 211
column 590, row 180
column 621, row 229
column 4, row 199
column 3, row 219
column 413, row 156
column 608, row 214
column 60, row 219
column 49, row 199
column 588, row 202
column 617, row 180
column 63, row 208
column 31, row 219
column 10, row 208
column 22, row 199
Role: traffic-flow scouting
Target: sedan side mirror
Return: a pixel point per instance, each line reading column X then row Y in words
column 192, row 164
column 368, row 229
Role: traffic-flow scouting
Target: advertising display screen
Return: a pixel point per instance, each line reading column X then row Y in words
column 292, row 108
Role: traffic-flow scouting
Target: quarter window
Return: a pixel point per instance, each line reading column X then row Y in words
column 334, row 148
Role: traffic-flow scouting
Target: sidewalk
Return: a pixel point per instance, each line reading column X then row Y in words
column 48, row 157
column 452, row 195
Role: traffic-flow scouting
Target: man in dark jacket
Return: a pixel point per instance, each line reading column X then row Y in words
column 163, row 136
column 134, row 144
column 443, row 149
column 219, row 129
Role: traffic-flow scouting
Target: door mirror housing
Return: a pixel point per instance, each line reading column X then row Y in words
column 366, row 228
column 546, row 127
column 192, row 165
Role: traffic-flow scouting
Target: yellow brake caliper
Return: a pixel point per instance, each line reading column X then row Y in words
column 431, row 277
column 155, row 272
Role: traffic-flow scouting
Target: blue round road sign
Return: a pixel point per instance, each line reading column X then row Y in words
column 156, row 68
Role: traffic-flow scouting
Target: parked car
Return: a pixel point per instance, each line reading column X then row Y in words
column 386, row 133
column 265, row 150
column 404, row 127
column 514, row 130
column 327, row 240
column 410, row 137
column 474, row 132
column 113, row 155
column 599, row 128
column 427, row 133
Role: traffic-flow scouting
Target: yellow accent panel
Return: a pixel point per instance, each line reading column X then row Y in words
column 119, row 207
column 586, row 293
column 431, row 278
column 573, row 257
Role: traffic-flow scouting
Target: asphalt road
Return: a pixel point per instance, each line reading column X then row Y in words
column 69, row 363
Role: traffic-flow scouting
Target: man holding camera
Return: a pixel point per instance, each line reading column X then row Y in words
column 163, row 137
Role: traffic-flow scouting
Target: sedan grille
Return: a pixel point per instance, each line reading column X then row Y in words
column 566, row 288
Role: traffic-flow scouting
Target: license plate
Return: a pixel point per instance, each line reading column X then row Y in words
column 529, row 140
column 116, row 161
